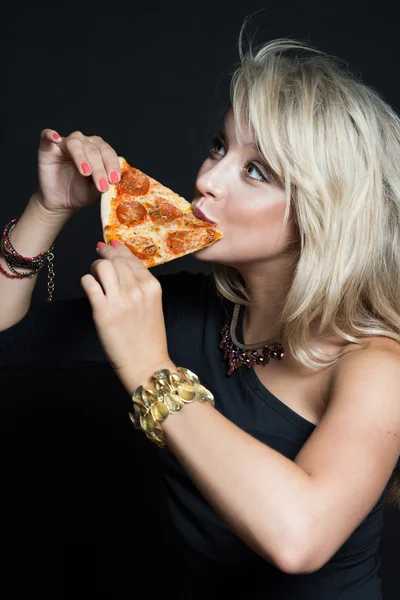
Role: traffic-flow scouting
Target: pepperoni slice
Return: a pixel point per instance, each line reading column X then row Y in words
column 131, row 213
column 182, row 241
column 143, row 248
column 206, row 235
column 163, row 212
column 134, row 182
column 179, row 241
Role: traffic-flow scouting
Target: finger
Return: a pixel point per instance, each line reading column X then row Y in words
column 127, row 278
column 50, row 135
column 139, row 271
column 93, row 156
column 74, row 147
column 110, row 159
column 115, row 276
column 114, row 273
column 105, row 274
column 50, row 143
column 96, row 162
column 93, row 290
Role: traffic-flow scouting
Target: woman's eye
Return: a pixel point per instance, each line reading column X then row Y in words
column 217, row 146
column 254, row 172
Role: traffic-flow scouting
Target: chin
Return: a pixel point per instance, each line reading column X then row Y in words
column 202, row 256
column 207, row 257
column 216, row 253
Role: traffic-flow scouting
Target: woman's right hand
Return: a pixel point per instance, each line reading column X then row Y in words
column 64, row 186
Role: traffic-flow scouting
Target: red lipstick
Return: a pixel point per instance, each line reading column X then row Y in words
column 200, row 215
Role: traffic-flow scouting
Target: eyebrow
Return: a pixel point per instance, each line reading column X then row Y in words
column 251, row 145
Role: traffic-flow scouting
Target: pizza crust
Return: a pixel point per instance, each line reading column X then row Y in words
column 107, row 197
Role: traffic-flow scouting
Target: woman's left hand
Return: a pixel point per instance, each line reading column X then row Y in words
column 127, row 312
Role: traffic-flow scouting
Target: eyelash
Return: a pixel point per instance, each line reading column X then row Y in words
column 217, row 141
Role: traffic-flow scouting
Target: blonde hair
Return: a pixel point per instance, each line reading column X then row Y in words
column 334, row 145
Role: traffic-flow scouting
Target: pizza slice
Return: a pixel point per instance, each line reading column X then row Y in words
column 155, row 223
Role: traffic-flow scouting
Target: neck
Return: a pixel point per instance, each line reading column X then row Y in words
column 268, row 290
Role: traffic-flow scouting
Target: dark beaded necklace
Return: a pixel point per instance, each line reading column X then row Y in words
column 238, row 354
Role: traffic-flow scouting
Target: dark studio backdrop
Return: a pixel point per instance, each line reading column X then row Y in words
column 81, row 496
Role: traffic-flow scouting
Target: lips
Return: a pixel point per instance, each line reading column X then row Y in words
column 200, row 215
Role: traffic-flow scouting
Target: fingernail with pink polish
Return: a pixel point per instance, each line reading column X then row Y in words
column 100, row 245
column 103, row 184
column 114, row 177
column 115, row 243
column 85, row 168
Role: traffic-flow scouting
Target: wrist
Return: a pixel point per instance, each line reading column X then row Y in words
column 170, row 392
column 47, row 215
column 146, row 379
column 132, row 377
column 173, row 427
column 34, row 231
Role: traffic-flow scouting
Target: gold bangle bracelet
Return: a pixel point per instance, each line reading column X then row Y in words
column 167, row 394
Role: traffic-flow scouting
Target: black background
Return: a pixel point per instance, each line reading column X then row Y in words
column 150, row 79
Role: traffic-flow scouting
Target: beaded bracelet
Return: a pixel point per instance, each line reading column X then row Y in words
column 14, row 259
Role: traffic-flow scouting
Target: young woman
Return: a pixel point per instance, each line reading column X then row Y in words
column 280, row 436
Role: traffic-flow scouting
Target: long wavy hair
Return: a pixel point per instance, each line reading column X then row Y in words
column 334, row 144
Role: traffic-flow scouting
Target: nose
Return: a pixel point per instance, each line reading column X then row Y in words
column 211, row 182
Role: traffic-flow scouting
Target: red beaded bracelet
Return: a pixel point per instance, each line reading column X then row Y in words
column 14, row 259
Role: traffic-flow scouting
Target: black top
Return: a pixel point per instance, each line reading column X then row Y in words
column 63, row 332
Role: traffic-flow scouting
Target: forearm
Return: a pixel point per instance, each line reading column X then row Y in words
column 260, row 493
column 34, row 233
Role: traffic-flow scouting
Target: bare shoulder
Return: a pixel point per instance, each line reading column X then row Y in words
column 374, row 346
column 380, row 358
column 378, row 351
